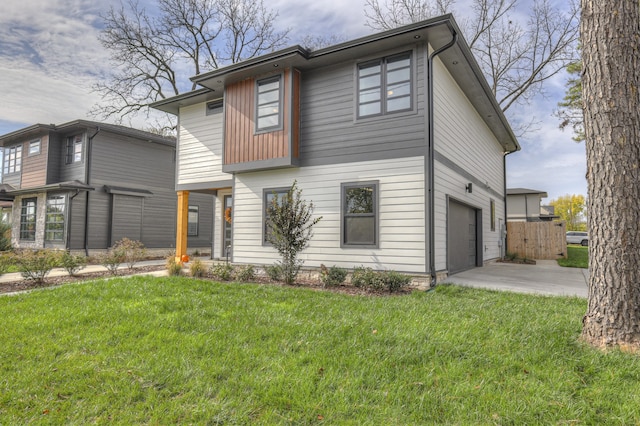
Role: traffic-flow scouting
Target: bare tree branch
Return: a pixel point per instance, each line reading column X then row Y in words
column 516, row 56
column 154, row 54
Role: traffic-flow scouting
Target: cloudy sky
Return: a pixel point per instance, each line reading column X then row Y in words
column 50, row 57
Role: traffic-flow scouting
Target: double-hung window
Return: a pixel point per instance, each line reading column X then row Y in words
column 385, row 86
column 269, row 104
column 28, row 219
column 12, row 159
column 360, row 214
column 271, row 196
column 54, row 219
column 75, row 147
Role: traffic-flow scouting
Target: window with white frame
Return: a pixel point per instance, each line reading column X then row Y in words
column 385, row 85
column 75, row 148
column 268, row 104
column 28, row 219
column 34, row 147
column 55, row 218
column 360, row 214
column 12, row 159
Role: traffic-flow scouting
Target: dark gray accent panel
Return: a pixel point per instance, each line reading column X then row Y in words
column 76, row 228
column 127, row 218
column 462, row 172
column 330, row 133
column 54, row 159
column 205, row 221
column 73, row 171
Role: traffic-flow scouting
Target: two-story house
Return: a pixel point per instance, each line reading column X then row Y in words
column 84, row 185
column 396, row 138
column 525, row 205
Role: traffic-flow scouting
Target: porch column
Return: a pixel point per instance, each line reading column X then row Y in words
column 183, row 222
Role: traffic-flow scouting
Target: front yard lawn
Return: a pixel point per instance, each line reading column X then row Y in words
column 577, row 257
column 176, row 350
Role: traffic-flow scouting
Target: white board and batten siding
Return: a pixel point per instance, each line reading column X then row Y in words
column 401, row 214
column 463, row 137
column 200, row 148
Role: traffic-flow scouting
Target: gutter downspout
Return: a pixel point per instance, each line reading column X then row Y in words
column 87, row 177
column 431, row 155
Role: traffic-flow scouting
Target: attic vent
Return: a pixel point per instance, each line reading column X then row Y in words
column 214, row 107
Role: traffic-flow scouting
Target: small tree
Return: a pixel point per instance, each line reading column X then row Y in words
column 289, row 228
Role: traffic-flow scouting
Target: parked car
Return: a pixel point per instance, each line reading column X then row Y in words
column 578, row 237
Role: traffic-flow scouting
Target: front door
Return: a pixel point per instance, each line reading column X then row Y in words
column 227, row 227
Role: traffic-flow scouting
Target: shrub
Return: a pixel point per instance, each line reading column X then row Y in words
column 222, row 271
column 35, row 265
column 197, row 269
column 72, row 263
column 5, row 236
column 332, row 276
column 111, row 260
column 132, row 251
column 174, row 267
column 289, row 229
column 274, row 272
column 367, row 278
column 384, row 280
column 395, row 281
column 245, row 273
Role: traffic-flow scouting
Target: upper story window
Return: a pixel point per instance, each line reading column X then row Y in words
column 75, row 147
column 268, row 104
column 34, row 147
column 385, row 85
column 12, row 159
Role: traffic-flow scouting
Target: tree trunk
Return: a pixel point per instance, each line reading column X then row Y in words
column 610, row 36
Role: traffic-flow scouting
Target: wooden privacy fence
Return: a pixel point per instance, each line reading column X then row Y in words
column 537, row 240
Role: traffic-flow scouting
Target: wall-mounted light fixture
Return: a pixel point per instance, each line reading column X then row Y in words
column 468, row 188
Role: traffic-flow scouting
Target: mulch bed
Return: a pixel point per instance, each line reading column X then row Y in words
column 25, row 285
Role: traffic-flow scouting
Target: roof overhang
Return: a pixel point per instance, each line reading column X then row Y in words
column 437, row 32
column 38, row 130
column 10, row 194
column 121, row 190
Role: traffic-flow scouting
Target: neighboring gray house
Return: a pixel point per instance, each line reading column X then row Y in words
column 84, row 185
column 395, row 137
column 525, row 205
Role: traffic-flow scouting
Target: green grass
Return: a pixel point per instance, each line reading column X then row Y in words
column 182, row 351
column 577, row 257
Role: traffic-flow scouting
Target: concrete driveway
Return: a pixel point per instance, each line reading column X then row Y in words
column 545, row 277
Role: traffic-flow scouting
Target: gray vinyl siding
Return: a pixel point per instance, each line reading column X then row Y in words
column 330, row 133
column 119, row 161
column 55, row 161
column 130, row 163
column 76, row 227
column 466, row 151
column 73, row 171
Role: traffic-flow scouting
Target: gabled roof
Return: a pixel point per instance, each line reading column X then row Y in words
column 37, row 130
column 438, row 31
column 525, row 191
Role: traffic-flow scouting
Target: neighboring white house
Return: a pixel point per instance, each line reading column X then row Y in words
column 406, row 170
column 525, row 205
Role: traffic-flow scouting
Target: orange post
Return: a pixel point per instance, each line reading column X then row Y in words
column 183, row 222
